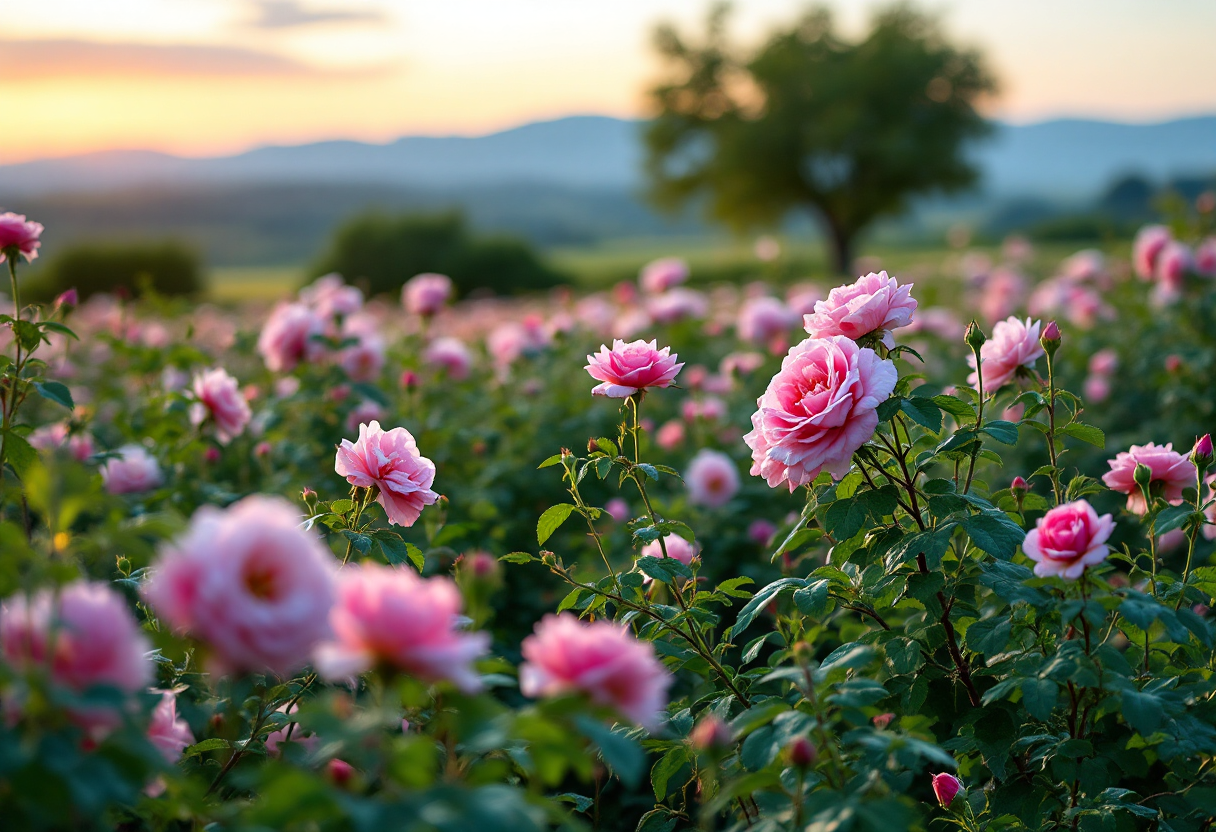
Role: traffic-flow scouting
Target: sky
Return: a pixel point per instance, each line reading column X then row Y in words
column 212, row 77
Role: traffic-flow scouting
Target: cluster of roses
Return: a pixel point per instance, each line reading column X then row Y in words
column 1158, row 257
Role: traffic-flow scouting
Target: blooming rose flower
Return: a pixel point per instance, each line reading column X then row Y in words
column 1067, row 539
column 169, row 734
column 1149, row 242
column 1003, row 291
column 55, row 436
column 86, row 636
column 1104, row 362
column 599, row 659
column 1172, row 472
column 676, row 305
column 660, row 275
column 329, row 296
column 1013, row 344
column 390, row 616
column 134, row 470
column 712, row 479
column 508, row 341
column 1205, row 258
column 19, row 235
column 248, row 581
column 364, row 413
column 761, row 532
column 287, row 337
column 875, row 304
column 1096, row 388
column 818, row 410
column 631, row 368
column 617, row 509
column 764, row 318
column 1173, row 264
column 946, row 787
column 801, row 299
column 670, row 435
column 451, row 355
column 390, row 461
column 711, row 733
column 1087, row 264
column 425, row 294
column 219, row 397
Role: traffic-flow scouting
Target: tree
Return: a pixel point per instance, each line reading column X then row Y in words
column 848, row 130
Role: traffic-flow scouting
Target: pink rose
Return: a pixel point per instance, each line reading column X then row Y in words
column 169, row 734
column 287, row 338
column 85, row 635
column 425, row 294
column 946, row 787
column 330, row 297
column 764, row 318
column 250, row 582
column 631, row 368
column 1067, row 539
column 1205, row 258
column 617, row 509
column 875, row 304
column 1003, row 291
column 219, row 398
column 56, row 436
column 19, row 236
column 1174, row 262
column 743, row 363
column 1149, row 242
column 391, row 462
column 1088, row 264
column 1104, row 362
column 391, row 616
column 676, row 305
column 801, row 299
column 712, row 479
column 364, row 413
column 660, row 275
column 1013, row 344
column 507, row 342
column 818, row 410
column 1096, row 389
column 450, row 355
column 134, row 470
column 761, row 532
column 599, row 659
column 670, row 435
column 1171, row 472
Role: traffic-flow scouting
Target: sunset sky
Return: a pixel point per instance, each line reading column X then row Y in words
column 204, row 77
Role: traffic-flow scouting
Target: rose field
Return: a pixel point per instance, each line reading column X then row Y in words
column 929, row 548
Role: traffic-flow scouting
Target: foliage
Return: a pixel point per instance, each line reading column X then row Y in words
column 133, row 269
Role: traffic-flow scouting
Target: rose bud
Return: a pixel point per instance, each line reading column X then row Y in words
column 974, row 336
column 1019, row 484
column 261, row 450
column 711, row 734
column 1142, row 475
column 1202, row 455
column 883, row 720
column 801, row 753
column 339, row 772
column 1050, row 338
column 67, row 300
column 946, row 787
column 212, row 455
column 409, row 380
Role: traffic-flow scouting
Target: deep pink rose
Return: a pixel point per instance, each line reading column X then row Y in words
column 875, row 304
column 287, row 337
column 1205, row 258
column 600, row 659
column 219, row 398
column 1172, row 472
column 1068, row 539
column 1149, row 242
column 630, row 368
column 169, row 734
column 250, row 582
column 133, row 471
column 425, row 294
column 712, row 479
column 764, row 318
column 818, row 410
column 86, row 635
column 1013, row 344
column 17, row 234
column 660, row 275
column 451, row 355
column 946, row 787
column 390, row 461
column 1173, row 264
column 329, row 296
column 390, row 616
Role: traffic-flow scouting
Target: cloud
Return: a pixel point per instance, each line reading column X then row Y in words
column 25, row 60
column 285, row 14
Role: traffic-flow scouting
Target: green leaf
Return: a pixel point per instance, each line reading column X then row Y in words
column 397, row 551
column 923, row 411
column 518, row 557
column 731, row 587
column 342, row 506
column 852, row 654
column 994, row 533
column 624, row 756
column 814, row 599
column 1174, row 517
column 55, row 392
column 213, row 744
column 663, row 569
column 1039, row 696
column 887, row 410
column 361, row 542
column 553, row 460
column 760, row 600
column 55, row 326
column 1142, row 711
column 571, row 599
column 962, row 412
column 1004, row 432
column 606, row 445
column 667, row 767
column 990, row 635
column 18, row 452
column 1086, row 433
column 551, row 520
column 28, row 334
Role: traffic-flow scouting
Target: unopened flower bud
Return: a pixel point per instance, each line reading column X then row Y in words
column 1019, row 484
column 261, row 450
column 1050, row 338
column 339, row 772
column 212, row 455
column 711, row 734
column 946, row 787
column 1202, row 455
column 67, row 300
column 883, row 720
column 800, row 753
column 974, row 337
column 409, row 380
column 479, row 564
column 1143, row 475
column 591, row 446
column 310, row 498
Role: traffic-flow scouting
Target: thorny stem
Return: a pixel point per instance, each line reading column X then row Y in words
column 238, row 754
column 956, row 655
column 359, row 506
column 979, row 419
column 1051, row 432
column 1191, row 535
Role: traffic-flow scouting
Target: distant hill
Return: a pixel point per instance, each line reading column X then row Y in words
column 1068, row 158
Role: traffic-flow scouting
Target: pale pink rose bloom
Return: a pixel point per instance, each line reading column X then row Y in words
column 391, row 616
column 1086, row 265
column 974, row 267
column 1104, row 362
column 670, row 435
column 1003, row 291
column 286, row 387
column 56, row 436
column 365, row 360
column 1096, row 388
column 764, row 318
column 874, row 304
column 85, row 635
column 801, row 299
column 631, row 368
column 630, row 323
column 1146, row 248
column 169, row 734
column 1205, row 258
column 218, row 397
column 676, row 305
column 761, row 532
column 660, row 275
column 329, row 296
column 1013, row 344
column 19, row 234
column 1174, row 263
column 617, row 509
column 134, row 470
column 939, row 321
column 1068, row 539
column 818, row 410
column 248, row 581
column 152, row 334
column 712, row 479
column 710, row 408
column 425, row 294
column 1172, row 472
column 599, row 659
column 743, row 363
column 287, row 337
column 290, row 732
column 451, row 355
column 508, row 342
column 595, row 313
column 364, row 413
column 391, row 462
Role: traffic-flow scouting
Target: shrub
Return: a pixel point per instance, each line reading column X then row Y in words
column 134, row 269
